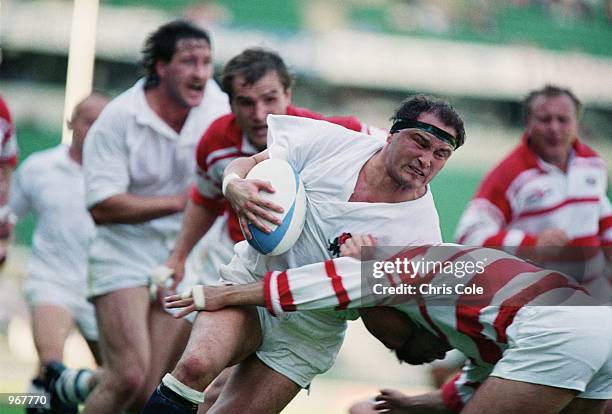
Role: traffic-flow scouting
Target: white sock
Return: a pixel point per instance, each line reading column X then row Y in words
column 183, row 390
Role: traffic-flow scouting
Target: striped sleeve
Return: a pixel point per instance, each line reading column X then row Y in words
column 333, row 284
column 484, row 224
column 605, row 221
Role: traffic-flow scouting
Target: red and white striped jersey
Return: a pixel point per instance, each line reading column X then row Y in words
column 222, row 143
column 524, row 195
column 473, row 322
column 8, row 141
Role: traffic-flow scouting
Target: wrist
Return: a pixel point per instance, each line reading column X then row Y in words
column 226, row 180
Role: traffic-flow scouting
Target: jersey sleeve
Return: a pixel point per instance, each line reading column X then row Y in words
column 206, row 190
column 333, row 284
column 485, row 220
column 105, row 162
column 605, row 221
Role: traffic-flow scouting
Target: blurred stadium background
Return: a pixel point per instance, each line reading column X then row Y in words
column 357, row 57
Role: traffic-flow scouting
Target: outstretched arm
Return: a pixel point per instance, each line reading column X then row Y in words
column 333, row 284
column 212, row 298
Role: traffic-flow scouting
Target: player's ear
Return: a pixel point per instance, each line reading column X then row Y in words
column 161, row 68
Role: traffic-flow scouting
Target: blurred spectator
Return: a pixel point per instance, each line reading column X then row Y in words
column 56, row 281
column 551, row 190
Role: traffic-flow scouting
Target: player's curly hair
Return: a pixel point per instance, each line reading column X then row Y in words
column 414, row 106
column 161, row 45
column 549, row 91
column 253, row 64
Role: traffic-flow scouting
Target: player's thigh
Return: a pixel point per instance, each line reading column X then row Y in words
column 502, row 396
column 51, row 325
column 123, row 326
column 585, row 406
column 226, row 336
column 255, row 388
column 168, row 337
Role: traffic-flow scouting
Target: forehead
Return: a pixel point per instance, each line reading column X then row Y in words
column 560, row 104
column 434, row 120
column 268, row 83
column 190, row 45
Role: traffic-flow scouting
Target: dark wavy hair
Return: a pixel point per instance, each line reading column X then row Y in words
column 414, row 106
column 253, row 64
column 161, row 45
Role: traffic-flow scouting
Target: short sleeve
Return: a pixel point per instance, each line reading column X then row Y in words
column 105, row 162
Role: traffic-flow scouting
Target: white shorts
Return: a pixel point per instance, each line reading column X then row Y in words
column 39, row 292
column 298, row 345
column 561, row 346
column 117, row 263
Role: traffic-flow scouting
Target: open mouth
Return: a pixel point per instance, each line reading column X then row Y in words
column 416, row 171
column 197, row 87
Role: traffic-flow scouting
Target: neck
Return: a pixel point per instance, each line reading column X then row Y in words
column 559, row 162
column 166, row 108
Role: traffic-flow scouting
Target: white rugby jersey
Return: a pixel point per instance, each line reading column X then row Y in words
column 130, row 149
column 222, row 143
column 525, row 195
column 329, row 158
column 49, row 184
column 474, row 323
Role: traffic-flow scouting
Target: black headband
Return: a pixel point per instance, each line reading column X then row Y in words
column 400, row 124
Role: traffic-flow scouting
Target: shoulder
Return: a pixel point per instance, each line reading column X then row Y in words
column 42, row 160
column 295, row 122
column 222, row 133
column 583, row 150
column 222, row 136
column 303, row 112
column 504, row 173
column 349, row 122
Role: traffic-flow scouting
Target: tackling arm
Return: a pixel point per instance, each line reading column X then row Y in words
column 333, row 284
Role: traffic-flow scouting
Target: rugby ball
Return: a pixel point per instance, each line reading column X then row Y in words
column 290, row 195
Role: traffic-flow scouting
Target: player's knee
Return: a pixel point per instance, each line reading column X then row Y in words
column 128, row 382
column 193, row 368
